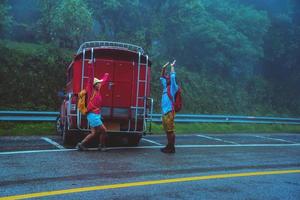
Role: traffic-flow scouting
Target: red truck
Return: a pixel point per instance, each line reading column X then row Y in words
column 126, row 104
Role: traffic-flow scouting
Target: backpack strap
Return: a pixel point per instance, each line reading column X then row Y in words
column 90, row 102
column 93, row 95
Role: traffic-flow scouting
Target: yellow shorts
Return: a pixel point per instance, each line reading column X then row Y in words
column 168, row 121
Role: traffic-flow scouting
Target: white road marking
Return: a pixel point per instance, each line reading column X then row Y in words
column 217, row 139
column 263, row 137
column 156, row 147
column 52, row 142
column 238, row 145
column 209, row 146
column 151, row 141
column 34, row 151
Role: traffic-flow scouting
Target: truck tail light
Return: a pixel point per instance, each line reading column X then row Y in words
column 73, row 103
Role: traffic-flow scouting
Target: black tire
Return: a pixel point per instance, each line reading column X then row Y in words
column 67, row 136
column 134, row 139
column 59, row 126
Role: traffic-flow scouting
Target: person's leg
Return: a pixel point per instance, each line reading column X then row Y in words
column 89, row 137
column 169, row 129
column 171, row 141
column 165, row 127
column 102, row 137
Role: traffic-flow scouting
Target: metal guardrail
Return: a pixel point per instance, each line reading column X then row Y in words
column 28, row 116
column 180, row 118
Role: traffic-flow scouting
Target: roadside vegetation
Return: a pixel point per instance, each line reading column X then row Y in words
column 234, row 57
column 48, row 128
column 27, row 128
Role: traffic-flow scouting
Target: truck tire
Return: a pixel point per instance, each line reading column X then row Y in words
column 67, row 136
column 59, row 126
column 134, row 139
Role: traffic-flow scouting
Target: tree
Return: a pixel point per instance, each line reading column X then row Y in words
column 281, row 63
column 5, row 19
column 45, row 23
column 223, row 37
column 72, row 22
column 120, row 20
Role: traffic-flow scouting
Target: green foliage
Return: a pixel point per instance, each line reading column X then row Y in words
column 5, row 19
column 281, row 63
column 221, row 37
column 31, row 75
column 71, row 21
column 45, row 23
column 234, row 56
column 214, row 95
column 67, row 22
column 120, row 20
column 218, row 36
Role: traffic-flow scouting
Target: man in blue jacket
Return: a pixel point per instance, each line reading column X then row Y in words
column 168, row 113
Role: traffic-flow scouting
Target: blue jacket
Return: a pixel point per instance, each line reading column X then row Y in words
column 166, row 104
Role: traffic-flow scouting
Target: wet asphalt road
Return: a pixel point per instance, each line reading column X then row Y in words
column 31, row 165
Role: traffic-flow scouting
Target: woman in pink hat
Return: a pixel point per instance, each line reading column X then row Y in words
column 94, row 111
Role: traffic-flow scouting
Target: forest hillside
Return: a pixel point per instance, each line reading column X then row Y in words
column 233, row 57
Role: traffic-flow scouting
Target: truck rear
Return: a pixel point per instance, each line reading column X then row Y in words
column 126, row 104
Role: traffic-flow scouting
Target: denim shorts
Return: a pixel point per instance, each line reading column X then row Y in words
column 94, row 119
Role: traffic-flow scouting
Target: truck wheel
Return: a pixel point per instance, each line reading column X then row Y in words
column 66, row 135
column 59, row 126
column 134, row 140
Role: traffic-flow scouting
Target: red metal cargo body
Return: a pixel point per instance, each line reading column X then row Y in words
column 125, row 98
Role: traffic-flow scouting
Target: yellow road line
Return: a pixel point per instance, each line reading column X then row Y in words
column 143, row 183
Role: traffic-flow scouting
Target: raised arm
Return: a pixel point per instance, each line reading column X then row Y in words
column 174, row 86
column 90, row 73
column 172, row 66
column 163, row 70
column 104, row 79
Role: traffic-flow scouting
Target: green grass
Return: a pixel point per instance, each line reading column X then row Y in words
column 27, row 128
column 31, row 48
column 48, row 128
column 27, row 48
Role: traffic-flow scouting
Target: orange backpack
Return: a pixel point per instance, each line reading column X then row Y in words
column 81, row 104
